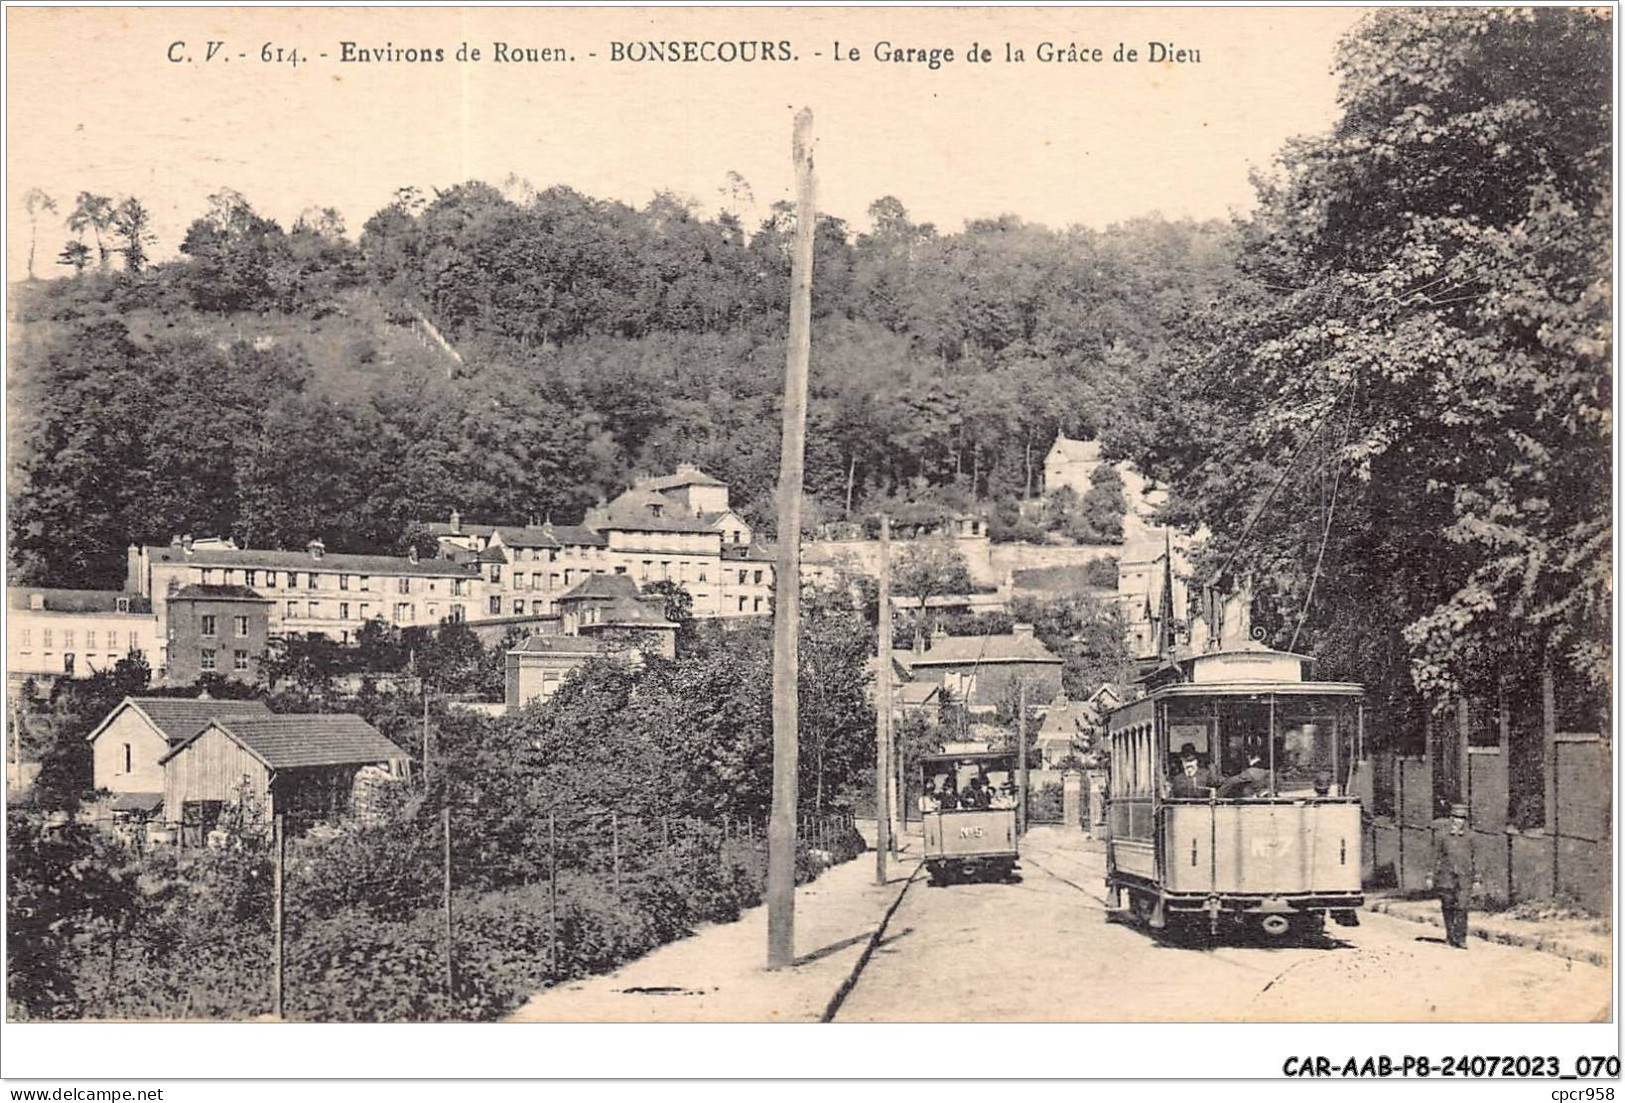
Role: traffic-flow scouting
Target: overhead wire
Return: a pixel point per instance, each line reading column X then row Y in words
column 1326, row 526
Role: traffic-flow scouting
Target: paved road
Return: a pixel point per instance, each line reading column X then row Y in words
column 1043, row 950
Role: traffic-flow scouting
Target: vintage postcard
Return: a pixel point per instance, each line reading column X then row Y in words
column 815, row 515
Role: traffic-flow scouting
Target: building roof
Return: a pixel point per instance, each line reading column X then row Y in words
column 217, row 593
column 180, row 718
column 76, row 601
column 1066, row 450
column 972, row 650
column 644, row 510
column 758, row 551
column 293, row 741
column 562, row 645
column 685, row 475
column 264, row 558
column 546, row 535
column 917, row 693
column 602, row 587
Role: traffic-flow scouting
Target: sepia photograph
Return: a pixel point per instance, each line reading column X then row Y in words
column 631, row 515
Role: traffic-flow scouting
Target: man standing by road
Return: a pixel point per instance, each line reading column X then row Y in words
column 1452, row 877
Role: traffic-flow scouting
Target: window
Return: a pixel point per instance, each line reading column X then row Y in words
column 741, row 605
column 47, row 634
column 208, row 576
column 67, row 638
column 67, row 664
column 736, row 536
column 702, row 575
column 538, row 607
column 293, row 608
column 758, row 578
column 456, row 612
column 743, row 575
column 241, row 626
column 403, row 612
column 315, row 610
column 496, row 572
column 344, row 610
column 553, row 579
column 366, row 610
column 28, row 638
column 250, row 577
column 135, row 649
column 405, row 585
column 129, row 759
column 310, row 580
column 90, row 639
column 293, row 580
column 758, row 606
column 496, row 606
column 457, row 588
column 344, row 582
column 123, row 604
column 434, row 611
column 365, row 583
column 518, row 606
column 620, row 570
column 206, row 660
column 239, row 660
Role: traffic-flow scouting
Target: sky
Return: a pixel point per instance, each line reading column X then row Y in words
column 95, row 103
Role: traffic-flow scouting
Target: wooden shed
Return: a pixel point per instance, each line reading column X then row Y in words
column 303, row 765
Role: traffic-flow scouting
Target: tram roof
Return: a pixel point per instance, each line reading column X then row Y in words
column 1254, row 689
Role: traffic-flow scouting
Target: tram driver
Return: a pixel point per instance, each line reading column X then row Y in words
column 1252, row 781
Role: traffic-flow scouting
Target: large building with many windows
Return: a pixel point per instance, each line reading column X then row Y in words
column 216, row 629
column 312, row 590
column 53, row 634
column 676, row 528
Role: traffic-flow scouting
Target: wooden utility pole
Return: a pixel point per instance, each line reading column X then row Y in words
column 1021, row 757
column 552, row 895
column 423, row 685
column 781, row 843
column 279, row 849
column 883, row 766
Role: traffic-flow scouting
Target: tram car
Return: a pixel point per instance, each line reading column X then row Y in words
column 1228, row 799
column 968, row 809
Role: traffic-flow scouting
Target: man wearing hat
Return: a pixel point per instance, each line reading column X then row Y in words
column 1250, row 782
column 1452, row 877
column 1192, row 779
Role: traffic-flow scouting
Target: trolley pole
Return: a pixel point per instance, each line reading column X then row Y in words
column 1021, row 757
column 781, row 849
column 883, row 766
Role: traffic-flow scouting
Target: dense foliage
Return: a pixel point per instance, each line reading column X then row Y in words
column 277, row 385
column 1407, row 381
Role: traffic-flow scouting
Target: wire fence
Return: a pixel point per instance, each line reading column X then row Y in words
column 431, row 914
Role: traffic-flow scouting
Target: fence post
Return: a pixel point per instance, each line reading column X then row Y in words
column 552, row 896
column 615, row 847
column 278, row 848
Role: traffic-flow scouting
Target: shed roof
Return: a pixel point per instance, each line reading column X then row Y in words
column 294, row 741
column 180, row 718
column 198, row 591
column 562, row 645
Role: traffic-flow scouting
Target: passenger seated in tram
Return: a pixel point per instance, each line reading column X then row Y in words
column 1252, row 781
column 1191, row 778
column 977, row 796
column 947, row 800
column 1004, row 796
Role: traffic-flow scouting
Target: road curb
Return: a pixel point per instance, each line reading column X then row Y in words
column 851, row 981
column 1500, row 938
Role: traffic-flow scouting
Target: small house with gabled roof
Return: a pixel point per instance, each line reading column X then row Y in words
column 301, row 764
column 128, row 746
column 978, row 672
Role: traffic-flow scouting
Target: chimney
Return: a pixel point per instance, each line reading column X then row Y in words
column 175, row 541
column 411, row 553
column 36, row 601
column 316, row 548
column 456, row 523
column 186, row 543
column 1021, row 631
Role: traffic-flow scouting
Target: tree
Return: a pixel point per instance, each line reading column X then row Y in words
column 1417, row 353
column 132, row 222
column 929, row 568
column 35, row 202
column 94, row 213
column 75, row 254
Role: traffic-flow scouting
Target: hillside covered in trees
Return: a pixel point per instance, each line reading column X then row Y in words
column 272, row 383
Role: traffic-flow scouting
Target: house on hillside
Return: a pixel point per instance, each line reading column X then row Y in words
column 128, row 746
column 1071, row 463
column 980, row 672
column 217, row 630
column 302, row 765
column 1071, row 727
column 604, row 615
